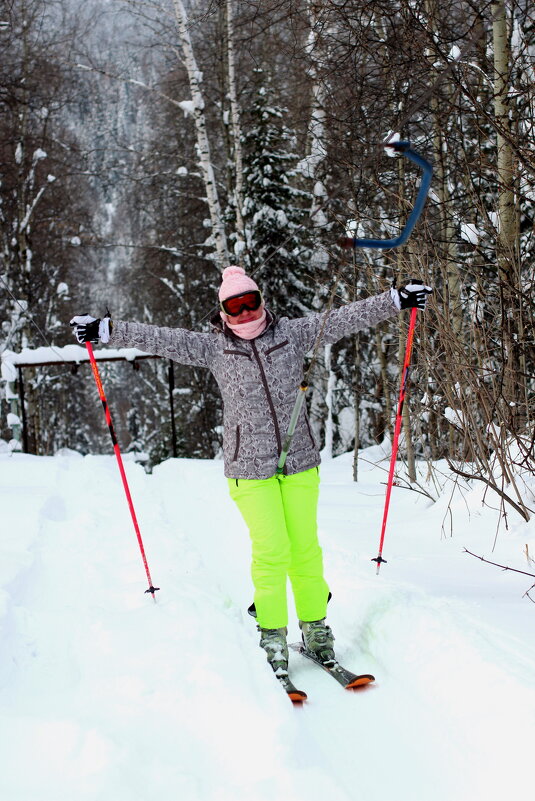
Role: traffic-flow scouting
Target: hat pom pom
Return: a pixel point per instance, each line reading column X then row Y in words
column 233, row 271
column 234, row 282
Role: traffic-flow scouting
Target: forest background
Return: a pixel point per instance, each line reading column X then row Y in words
column 144, row 146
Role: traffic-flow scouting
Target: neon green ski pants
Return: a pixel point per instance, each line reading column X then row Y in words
column 280, row 513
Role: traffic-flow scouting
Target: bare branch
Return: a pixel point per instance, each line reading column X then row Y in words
column 503, row 567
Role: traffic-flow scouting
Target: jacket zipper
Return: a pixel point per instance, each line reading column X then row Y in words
column 269, row 398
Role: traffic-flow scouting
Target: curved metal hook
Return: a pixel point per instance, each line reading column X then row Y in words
column 406, row 150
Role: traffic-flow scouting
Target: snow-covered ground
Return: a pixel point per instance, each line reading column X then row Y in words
column 108, row 696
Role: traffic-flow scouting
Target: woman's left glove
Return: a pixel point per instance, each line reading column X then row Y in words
column 91, row 329
column 412, row 295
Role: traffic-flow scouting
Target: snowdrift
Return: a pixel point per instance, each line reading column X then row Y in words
column 108, row 695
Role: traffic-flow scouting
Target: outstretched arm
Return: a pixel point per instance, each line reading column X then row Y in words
column 178, row 344
column 333, row 324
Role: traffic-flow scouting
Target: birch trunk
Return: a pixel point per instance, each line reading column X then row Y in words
column 203, row 146
column 448, row 234
column 316, row 150
column 235, row 125
column 507, row 250
column 309, row 168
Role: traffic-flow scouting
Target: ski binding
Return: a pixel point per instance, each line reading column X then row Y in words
column 348, row 680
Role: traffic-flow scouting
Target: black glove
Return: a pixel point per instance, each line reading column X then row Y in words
column 414, row 294
column 91, row 329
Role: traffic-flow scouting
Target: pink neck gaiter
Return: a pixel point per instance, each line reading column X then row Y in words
column 247, row 330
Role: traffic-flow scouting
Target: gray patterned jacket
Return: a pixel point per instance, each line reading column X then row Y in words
column 258, row 378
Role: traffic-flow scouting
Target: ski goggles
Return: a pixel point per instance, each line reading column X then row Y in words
column 233, row 306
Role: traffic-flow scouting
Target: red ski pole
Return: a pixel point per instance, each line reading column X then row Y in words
column 397, row 429
column 119, row 458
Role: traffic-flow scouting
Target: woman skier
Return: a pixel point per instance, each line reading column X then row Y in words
column 257, row 361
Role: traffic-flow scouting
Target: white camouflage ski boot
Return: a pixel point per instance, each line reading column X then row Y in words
column 273, row 641
column 318, row 640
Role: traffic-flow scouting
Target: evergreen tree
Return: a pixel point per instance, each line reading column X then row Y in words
column 275, row 210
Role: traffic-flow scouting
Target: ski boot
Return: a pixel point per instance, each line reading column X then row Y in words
column 273, row 641
column 318, row 640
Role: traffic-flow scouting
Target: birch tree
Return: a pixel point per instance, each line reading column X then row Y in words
column 311, row 168
column 197, row 107
column 236, row 129
column 507, row 237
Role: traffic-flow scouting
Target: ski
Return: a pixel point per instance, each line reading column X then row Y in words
column 348, row 680
column 296, row 696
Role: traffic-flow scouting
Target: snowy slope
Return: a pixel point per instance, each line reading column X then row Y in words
column 108, row 695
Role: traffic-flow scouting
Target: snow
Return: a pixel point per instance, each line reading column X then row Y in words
column 67, row 353
column 308, row 165
column 470, row 233
column 188, row 107
column 456, row 418
column 9, row 371
column 351, row 227
column 319, row 190
column 106, row 694
column 494, row 217
column 392, row 136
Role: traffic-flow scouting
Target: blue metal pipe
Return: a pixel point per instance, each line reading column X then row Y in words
column 427, row 173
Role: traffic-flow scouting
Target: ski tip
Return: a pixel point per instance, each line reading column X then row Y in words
column 360, row 681
column 297, row 696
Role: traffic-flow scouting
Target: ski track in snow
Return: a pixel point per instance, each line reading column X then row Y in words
column 108, row 695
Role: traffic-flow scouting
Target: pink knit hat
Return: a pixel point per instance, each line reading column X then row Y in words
column 234, row 282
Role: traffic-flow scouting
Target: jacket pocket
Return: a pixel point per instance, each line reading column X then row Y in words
column 237, row 448
column 276, row 347
column 238, row 353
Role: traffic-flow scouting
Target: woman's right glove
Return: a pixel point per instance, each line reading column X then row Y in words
column 412, row 295
column 91, row 329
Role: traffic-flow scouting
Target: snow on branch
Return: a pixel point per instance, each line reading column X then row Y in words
column 74, row 354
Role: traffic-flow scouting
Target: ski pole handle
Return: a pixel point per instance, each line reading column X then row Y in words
column 152, row 589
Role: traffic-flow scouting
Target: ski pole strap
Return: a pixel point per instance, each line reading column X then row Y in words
column 291, row 428
column 427, row 171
